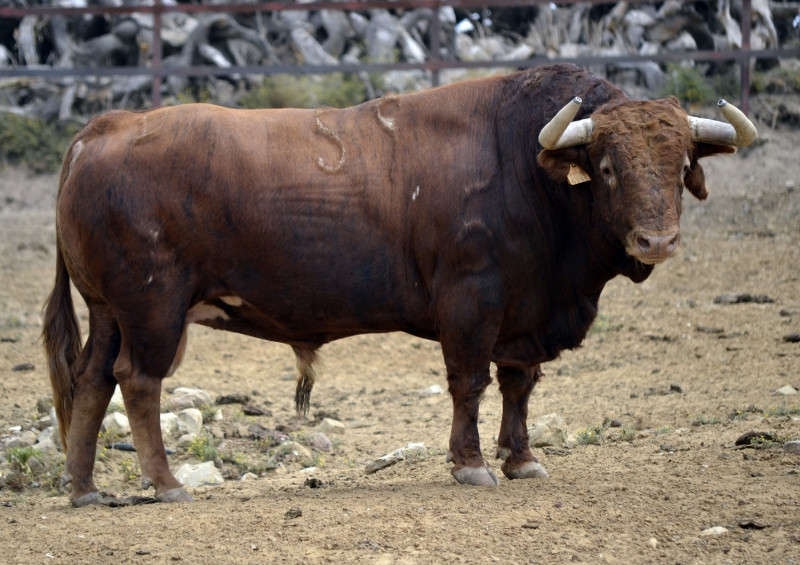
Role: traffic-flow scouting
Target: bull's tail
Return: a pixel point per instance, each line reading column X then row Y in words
column 305, row 378
column 61, row 335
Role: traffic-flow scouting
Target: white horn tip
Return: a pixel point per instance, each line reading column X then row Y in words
column 722, row 103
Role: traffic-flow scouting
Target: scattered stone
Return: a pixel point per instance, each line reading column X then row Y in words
column 652, row 543
column 787, row 390
column 116, row 425
column 199, row 474
column 184, row 397
column 395, row 456
column 548, row 430
column 187, row 439
column 48, row 441
column 296, row 451
column 331, row 426
column 249, row 476
column 190, row 421
column 24, row 367
column 233, row 398
column 117, row 403
column 169, row 424
column 24, row 439
column 254, row 410
column 312, row 482
column 433, row 390
column 792, row 447
column 43, row 404
column 44, row 422
column 792, row 338
column 320, row 442
column 292, row 513
column 257, row 431
column 752, row 524
column 675, row 388
column 743, row 298
column 714, row 531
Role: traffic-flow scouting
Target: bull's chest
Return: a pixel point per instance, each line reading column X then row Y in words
column 539, row 330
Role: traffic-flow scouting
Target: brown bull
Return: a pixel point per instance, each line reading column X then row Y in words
column 443, row 214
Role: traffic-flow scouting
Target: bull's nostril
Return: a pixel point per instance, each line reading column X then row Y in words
column 644, row 243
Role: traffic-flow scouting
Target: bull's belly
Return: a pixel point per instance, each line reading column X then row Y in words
column 306, row 326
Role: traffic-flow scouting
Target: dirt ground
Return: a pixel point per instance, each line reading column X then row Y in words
column 685, row 377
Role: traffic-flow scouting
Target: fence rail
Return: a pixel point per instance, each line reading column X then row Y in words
column 435, row 64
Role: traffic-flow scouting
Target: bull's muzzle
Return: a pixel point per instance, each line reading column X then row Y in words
column 652, row 248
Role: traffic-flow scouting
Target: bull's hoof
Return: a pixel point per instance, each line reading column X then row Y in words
column 91, row 498
column 527, row 470
column 178, row 494
column 478, row 476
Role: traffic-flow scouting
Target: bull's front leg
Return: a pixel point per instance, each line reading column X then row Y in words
column 516, row 386
column 469, row 318
column 465, row 445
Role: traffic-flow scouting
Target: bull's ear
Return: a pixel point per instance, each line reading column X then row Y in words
column 564, row 165
column 695, row 179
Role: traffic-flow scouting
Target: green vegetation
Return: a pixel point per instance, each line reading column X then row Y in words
column 19, row 458
column 691, row 86
column 335, row 90
column 34, row 143
column 589, row 436
column 203, row 448
column 705, row 420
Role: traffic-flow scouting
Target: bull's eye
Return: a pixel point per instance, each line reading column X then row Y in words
column 606, row 171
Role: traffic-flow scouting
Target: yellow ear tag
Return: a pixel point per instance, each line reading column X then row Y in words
column 577, row 175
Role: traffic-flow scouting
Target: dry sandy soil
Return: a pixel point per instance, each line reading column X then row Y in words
column 643, row 494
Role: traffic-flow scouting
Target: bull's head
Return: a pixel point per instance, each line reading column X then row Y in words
column 639, row 156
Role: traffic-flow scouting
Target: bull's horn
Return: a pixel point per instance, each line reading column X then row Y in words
column 561, row 131
column 739, row 132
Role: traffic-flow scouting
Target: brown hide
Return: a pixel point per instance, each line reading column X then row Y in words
column 425, row 213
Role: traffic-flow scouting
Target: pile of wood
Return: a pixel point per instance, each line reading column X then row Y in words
column 331, row 37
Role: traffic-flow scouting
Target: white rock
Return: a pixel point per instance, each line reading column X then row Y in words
column 169, row 424
column 296, row 450
column 395, row 456
column 714, row 531
column 24, row 439
column 432, row 390
column 184, row 397
column 792, row 447
column 190, row 421
column 48, row 439
column 320, row 442
column 200, row 474
column 786, row 390
column 330, row 426
column 652, row 543
column 117, row 404
column 248, row 477
column 116, row 424
column 550, row 429
column 186, row 440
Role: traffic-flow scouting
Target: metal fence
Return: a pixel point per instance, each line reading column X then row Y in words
column 435, row 64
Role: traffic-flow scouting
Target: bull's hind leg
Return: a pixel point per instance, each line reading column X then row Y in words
column 146, row 357
column 92, row 390
column 516, row 386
